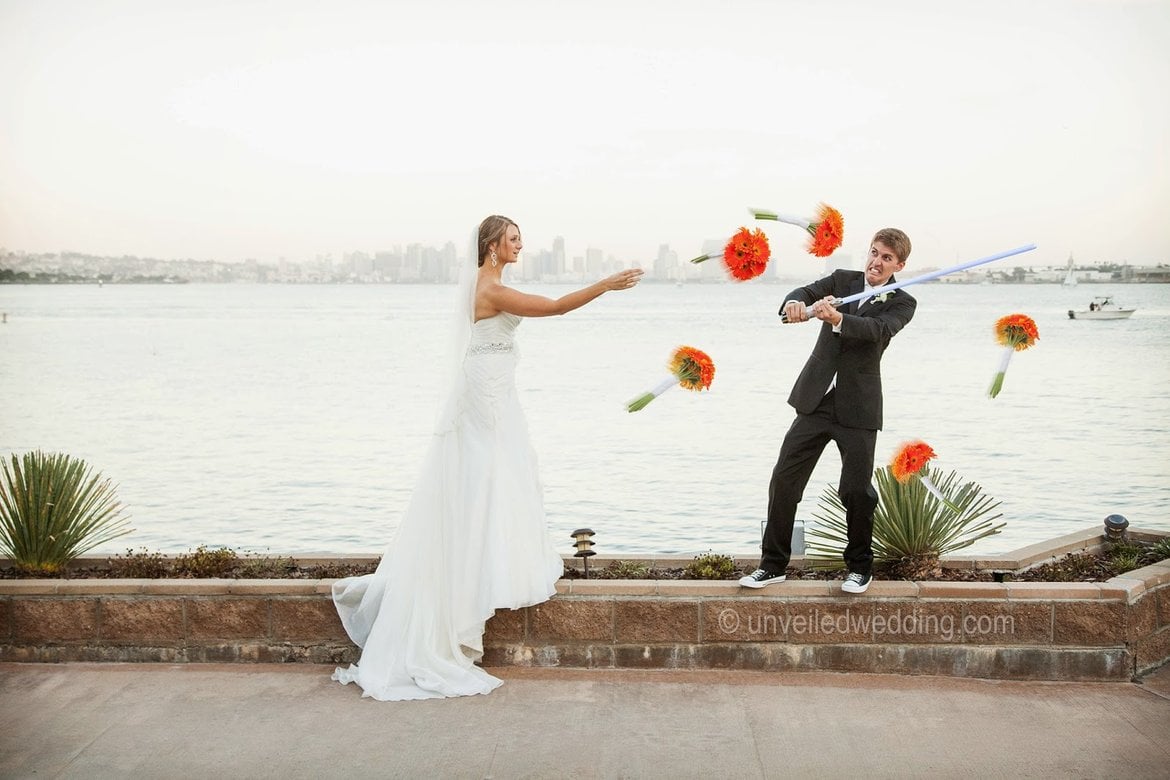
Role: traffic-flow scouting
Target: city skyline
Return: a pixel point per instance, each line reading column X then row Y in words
column 414, row 262
column 418, row 263
column 131, row 127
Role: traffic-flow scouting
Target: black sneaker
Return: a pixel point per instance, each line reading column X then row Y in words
column 759, row 578
column 856, row 583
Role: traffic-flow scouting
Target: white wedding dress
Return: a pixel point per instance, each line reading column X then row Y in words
column 472, row 540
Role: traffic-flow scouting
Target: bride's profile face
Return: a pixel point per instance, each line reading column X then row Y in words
column 508, row 249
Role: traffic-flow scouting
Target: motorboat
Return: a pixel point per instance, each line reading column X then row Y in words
column 1101, row 308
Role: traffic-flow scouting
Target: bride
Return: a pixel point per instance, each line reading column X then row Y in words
column 473, row 537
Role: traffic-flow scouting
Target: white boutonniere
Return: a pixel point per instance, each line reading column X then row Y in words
column 883, row 297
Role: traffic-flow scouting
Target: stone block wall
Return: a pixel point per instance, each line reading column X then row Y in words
column 171, row 621
column 1032, row 631
column 1036, row 631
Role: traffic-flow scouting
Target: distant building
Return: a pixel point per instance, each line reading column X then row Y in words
column 1159, row 274
column 594, row 262
column 666, row 265
column 713, row 270
column 558, row 269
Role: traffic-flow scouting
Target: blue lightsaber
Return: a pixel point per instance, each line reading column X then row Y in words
column 838, row 302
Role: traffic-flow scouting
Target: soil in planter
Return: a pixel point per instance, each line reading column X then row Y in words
column 201, row 563
column 1075, row 567
column 226, row 563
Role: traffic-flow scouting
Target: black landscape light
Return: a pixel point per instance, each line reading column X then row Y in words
column 1115, row 526
column 583, row 541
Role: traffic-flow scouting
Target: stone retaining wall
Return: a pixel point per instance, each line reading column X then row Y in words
column 1036, row 631
column 1113, row 630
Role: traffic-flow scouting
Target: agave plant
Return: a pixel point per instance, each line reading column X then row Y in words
column 911, row 527
column 53, row 509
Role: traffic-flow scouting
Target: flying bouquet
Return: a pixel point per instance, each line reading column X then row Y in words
column 910, row 461
column 691, row 368
column 746, row 254
column 826, row 231
column 1016, row 332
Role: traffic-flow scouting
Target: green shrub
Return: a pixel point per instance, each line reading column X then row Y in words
column 711, row 566
column 625, row 570
column 1126, row 553
column 1160, row 551
column 1125, row 556
column 53, row 509
column 206, row 563
column 911, row 527
column 215, row 563
column 1125, row 549
column 140, row 565
column 265, row 567
column 1124, row 562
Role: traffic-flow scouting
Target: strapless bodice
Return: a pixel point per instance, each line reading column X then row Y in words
column 494, row 334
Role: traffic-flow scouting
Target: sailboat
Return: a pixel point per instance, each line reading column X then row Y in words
column 1070, row 278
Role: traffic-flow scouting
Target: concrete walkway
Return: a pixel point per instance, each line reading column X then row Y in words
column 160, row 721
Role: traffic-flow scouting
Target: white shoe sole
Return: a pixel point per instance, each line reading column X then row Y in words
column 748, row 582
column 849, row 587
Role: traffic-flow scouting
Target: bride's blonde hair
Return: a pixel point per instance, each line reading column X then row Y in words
column 491, row 230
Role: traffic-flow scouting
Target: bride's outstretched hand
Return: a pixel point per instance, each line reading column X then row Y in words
column 623, row 280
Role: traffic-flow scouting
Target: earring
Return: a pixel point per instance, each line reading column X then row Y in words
column 495, row 262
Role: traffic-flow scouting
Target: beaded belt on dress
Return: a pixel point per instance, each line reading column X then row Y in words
column 490, row 347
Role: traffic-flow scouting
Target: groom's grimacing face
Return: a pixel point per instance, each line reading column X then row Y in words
column 881, row 264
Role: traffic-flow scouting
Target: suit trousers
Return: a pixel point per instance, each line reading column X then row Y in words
column 802, row 448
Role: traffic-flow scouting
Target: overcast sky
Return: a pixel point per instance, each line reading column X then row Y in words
column 228, row 130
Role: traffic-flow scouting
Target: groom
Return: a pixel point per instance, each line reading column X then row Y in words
column 838, row 397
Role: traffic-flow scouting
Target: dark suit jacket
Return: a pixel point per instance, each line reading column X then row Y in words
column 854, row 355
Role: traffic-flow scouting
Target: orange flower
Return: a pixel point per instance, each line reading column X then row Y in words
column 828, row 231
column 910, row 460
column 689, row 367
column 1017, row 331
column 693, row 367
column 746, row 254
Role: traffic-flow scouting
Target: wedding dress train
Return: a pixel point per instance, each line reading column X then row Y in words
column 472, row 540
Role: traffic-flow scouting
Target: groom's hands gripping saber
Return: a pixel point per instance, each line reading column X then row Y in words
column 839, row 302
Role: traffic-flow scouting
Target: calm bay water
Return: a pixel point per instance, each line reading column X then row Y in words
column 294, row 418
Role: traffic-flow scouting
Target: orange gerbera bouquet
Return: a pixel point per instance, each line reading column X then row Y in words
column 746, row 254
column 826, row 230
column 689, row 367
column 1016, row 332
column 910, row 461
